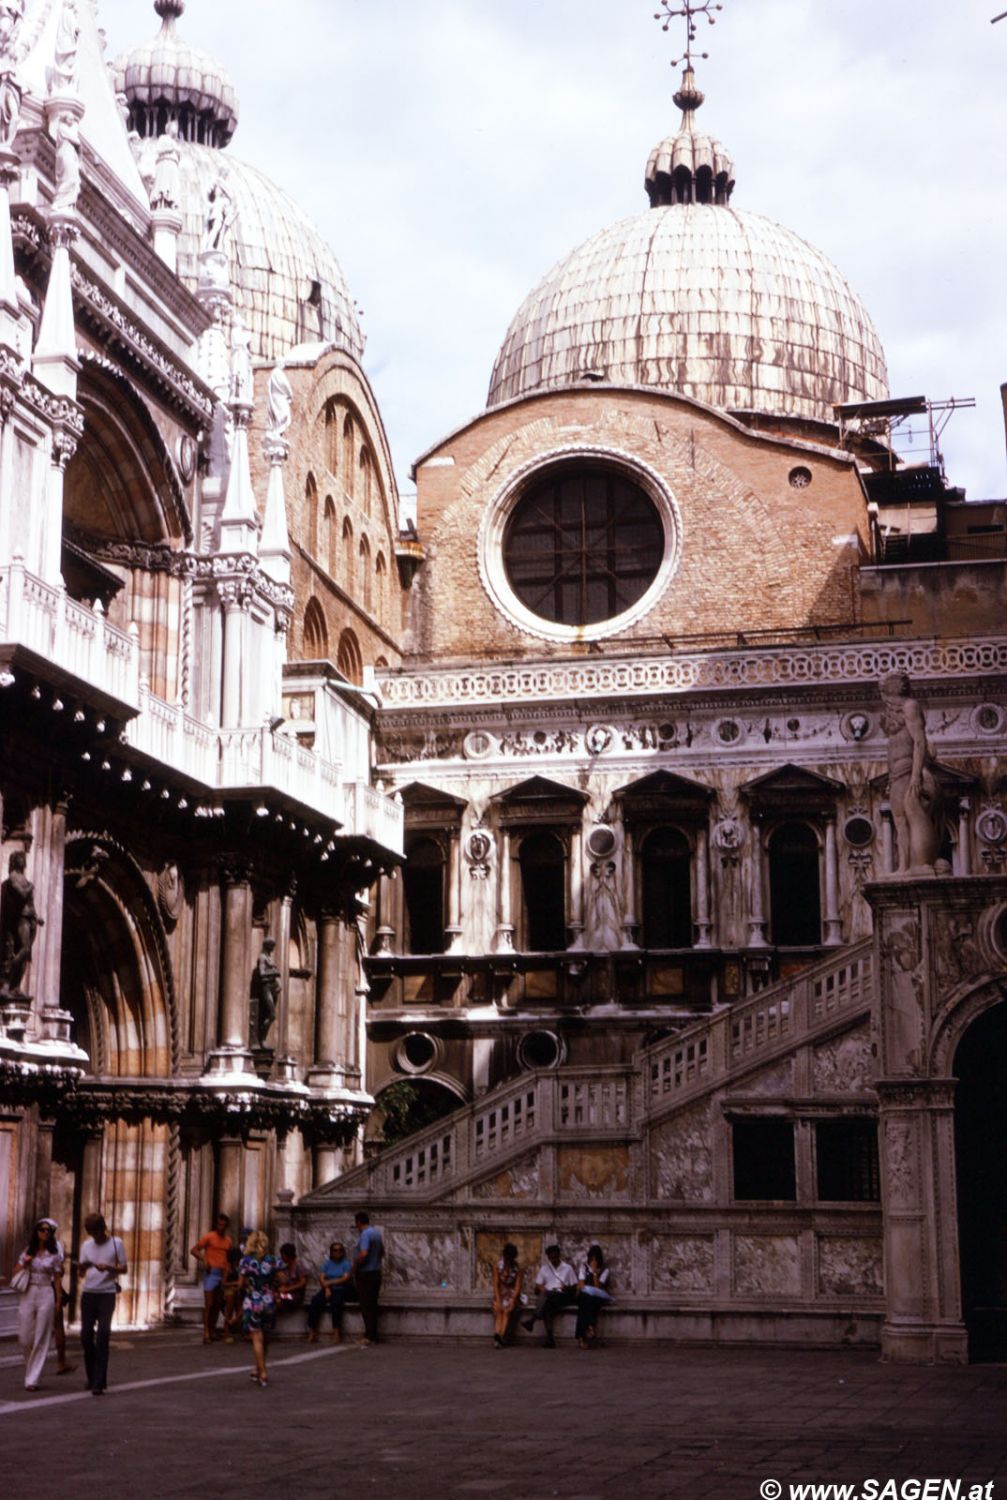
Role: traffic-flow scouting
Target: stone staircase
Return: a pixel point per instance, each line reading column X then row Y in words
column 639, row 1157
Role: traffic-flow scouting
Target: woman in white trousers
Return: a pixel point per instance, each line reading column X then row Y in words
column 37, row 1309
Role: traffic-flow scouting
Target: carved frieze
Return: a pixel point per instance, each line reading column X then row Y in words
column 424, row 1260
column 850, row 1266
column 767, row 1265
column 520, row 1179
column 590, row 1173
column 900, row 1176
column 681, row 1263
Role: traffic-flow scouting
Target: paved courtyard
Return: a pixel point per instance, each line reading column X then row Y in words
column 435, row 1420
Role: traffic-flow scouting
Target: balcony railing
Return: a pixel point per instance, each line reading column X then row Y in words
column 371, row 815
column 75, row 639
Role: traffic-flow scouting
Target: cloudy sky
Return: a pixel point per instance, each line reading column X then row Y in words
column 454, row 150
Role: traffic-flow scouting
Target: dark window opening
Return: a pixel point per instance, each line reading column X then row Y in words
column 423, row 888
column 667, row 889
column 764, row 1160
column 846, row 1155
column 543, row 888
column 583, row 545
column 794, row 896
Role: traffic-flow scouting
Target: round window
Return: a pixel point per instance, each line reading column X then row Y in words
column 416, row 1052
column 858, row 831
column 540, row 1049
column 582, row 544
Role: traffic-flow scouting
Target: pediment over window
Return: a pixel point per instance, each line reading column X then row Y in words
column 539, row 800
column 663, row 795
column 430, row 807
column 792, row 789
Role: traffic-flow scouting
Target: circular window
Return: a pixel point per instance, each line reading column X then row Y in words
column 416, row 1053
column 858, row 832
column 579, row 543
column 601, row 841
column 540, row 1049
column 800, row 477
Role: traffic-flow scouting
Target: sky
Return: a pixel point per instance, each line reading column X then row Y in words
column 453, row 150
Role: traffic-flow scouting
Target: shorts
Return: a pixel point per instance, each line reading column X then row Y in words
column 212, row 1280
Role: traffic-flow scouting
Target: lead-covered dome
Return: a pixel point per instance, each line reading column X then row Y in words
column 287, row 284
column 698, row 298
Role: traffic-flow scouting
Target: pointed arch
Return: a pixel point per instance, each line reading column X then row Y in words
column 315, row 635
column 311, row 513
column 365, row 580
column 348, row 658
column 331, row 537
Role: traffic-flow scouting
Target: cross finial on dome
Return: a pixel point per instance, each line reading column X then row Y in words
column 169, row 10
column 688, row 12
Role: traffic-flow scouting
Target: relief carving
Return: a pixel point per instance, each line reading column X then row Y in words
column 590, row 1173
column 519, row 1180
column 423, row 1261
column 905, row 995
column 958, row 955
column 681, row 1159
column 843, row 1065
column 850, row 1267
column 683, row 1264
column 767, row 1265
column 900, row 1169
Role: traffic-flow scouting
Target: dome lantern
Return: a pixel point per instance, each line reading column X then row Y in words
column 689, row 167
column 167, row 79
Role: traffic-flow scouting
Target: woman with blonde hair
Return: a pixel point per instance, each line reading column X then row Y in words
column 258, row 1306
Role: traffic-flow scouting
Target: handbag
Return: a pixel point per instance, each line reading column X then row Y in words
column 21, row 1280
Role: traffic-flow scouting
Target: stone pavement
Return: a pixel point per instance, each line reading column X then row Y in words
column 411, row 1421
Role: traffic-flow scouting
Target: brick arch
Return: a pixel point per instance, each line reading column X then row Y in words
column 315, row 632
column 348, row 658
column 122, row 483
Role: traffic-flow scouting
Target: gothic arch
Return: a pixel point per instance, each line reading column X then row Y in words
column 964, row 1005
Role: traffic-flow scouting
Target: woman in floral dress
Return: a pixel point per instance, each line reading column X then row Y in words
column 507, row 1278
column 258, row 1306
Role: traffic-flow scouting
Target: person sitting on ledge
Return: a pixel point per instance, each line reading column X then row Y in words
column 556, row 1286
column 291, row 1279
column 334, row 1277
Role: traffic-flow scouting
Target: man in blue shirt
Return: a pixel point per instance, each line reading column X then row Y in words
column 334, row 1278
column 367, row 1274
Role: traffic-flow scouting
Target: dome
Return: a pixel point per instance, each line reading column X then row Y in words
column 169, row 79
column 286, row 282
column 699, row 298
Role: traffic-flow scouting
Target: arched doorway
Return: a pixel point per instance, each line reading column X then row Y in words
column 980, row 1066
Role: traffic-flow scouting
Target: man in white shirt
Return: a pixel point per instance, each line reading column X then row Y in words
column 556, row 1287
column 102, row 1261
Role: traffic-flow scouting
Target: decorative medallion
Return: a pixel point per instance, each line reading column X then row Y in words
column 598, row 739
column 855, row 726
column 185, row 453
column 988, row 719
column 601, row 841
column 478, row 744
column 170, row 895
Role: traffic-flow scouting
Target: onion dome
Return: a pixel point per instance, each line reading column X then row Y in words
column 167, row 79
column 695, row 297
column 285, row 280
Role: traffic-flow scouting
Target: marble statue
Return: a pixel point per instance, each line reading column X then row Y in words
column 63, row 73
column 241, row 364
column 10, row 110
column 279, row 398
column 19, row 925
column 913, row 789
column 604, row 923
column 220, row 215
column 67, row 163
column 11, row 16
column 265, row 989
column 167, row 189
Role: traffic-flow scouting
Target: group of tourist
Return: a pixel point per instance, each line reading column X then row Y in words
column 246, row 1286
column 557, row 1285
column 249, row 1286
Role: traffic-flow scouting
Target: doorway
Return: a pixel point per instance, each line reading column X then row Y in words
column 981, row 1167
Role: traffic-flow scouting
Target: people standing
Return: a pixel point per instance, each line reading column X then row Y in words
column 42, row 1260
column 555, row 1287
column 212, row 1251
column 334, row 1278
column 101, row 1262
column 367, row 1264
column 63, row 1366
column 507, row 1279
column 593, row 1291
column 258, row 1307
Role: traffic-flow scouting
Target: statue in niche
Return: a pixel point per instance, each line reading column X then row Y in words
column 63, row 73
column 167, row 189
column 604, row 932
column 265, row 990
column 19, row 925
column 10, row 110
column 67, row 163
column 279, row 399
column 913, row 789
column 220, row 215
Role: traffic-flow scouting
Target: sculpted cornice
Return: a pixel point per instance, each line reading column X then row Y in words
column 237, row 569
column 58, row 411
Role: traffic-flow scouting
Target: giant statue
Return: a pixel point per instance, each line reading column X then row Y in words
column 913, row 788
column 19, row 925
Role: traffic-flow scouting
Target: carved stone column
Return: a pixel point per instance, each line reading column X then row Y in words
column 833, row 922
column 328, row 1071
column 963, row 849
column 233, row 1054
column 233, row 597
column 90, row 1173
column 756, row 908
column 704, row 927
column 631, row 918
column 283, row 964
column 453, row 931
column 576, row 889
column 505, row 926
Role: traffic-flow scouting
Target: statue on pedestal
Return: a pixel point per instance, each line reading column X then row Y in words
column 19, row 925
column 167, row 189
column 63, row 73
column 220, row 215
column 265, row 990
column 279, row 399
column 913, row 789
column 67, row 163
